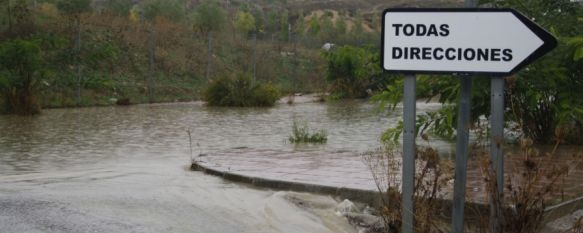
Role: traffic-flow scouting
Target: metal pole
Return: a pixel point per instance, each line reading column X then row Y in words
column 462, row 145
column 461, row 156
column 408, row 176
column 496, row 151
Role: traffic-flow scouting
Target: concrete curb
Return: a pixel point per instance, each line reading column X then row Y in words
column 371, row 197
column 562, row 209
column 364, row 196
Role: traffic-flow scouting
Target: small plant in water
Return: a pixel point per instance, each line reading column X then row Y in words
column 301, row 134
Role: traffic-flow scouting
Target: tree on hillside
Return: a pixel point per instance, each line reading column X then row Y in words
column 18, row 17
column 244, row 22
column 358, row 29
column 73, row 10
column 326, row 29
column 259, row 16
column 208, row 17
column 271, row 22
column 348, row 71
column 173, row 10
column 120, row 8
column 7, row 13
column 375, row 22
column 341, row 27
column 314, row 27
column 21, row 65
column 284, row 26
column 299, row 26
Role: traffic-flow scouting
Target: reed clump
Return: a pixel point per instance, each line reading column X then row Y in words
column 301, row 133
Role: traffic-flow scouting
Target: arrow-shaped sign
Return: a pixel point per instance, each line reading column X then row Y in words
column 458, row 40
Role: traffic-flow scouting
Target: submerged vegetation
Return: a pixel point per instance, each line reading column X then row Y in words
column 240, row 91
column 301, row 133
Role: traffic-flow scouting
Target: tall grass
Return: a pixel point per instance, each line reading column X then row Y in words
column 301, row 134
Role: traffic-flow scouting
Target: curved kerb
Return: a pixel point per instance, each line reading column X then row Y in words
column 369, row 197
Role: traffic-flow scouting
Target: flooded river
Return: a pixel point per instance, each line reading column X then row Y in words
column 125, row 169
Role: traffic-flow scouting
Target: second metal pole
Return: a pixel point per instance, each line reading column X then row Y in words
column 496, row 153
column 409, row 151
column 462, row 153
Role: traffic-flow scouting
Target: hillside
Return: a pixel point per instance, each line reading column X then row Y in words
column 155, row 50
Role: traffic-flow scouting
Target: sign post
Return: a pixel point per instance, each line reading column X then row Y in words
column 462, row 152
column 409, row 151
column 458, row 41
column 496, row 153
column 462, row 148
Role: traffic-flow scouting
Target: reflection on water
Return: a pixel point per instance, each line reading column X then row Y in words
column 61, row 138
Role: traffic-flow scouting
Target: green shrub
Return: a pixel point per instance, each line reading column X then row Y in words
column 265, row 95
column 240, row 92
column 301, row 134
column 21, row 65
column 353, row 72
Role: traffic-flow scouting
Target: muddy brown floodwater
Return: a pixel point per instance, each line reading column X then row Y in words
column 125, row 169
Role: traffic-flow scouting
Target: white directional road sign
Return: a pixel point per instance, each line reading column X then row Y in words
column 488, row 41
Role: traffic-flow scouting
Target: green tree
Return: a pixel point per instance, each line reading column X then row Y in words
column 271, row 22
column 300, row 27
column 358, row 29
column 208, row 17
column 74, row 9
column 6, row 7
column 341, row 27
column 18, row 17
column 545, row 98
column 21, row 65
column 245, row 22
column 375, row 22
column 350, row 71
column 314, row 28
column 120, row 8
column 327, row 29
column 173, row 10
column 259, row 19
column 284, row 26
